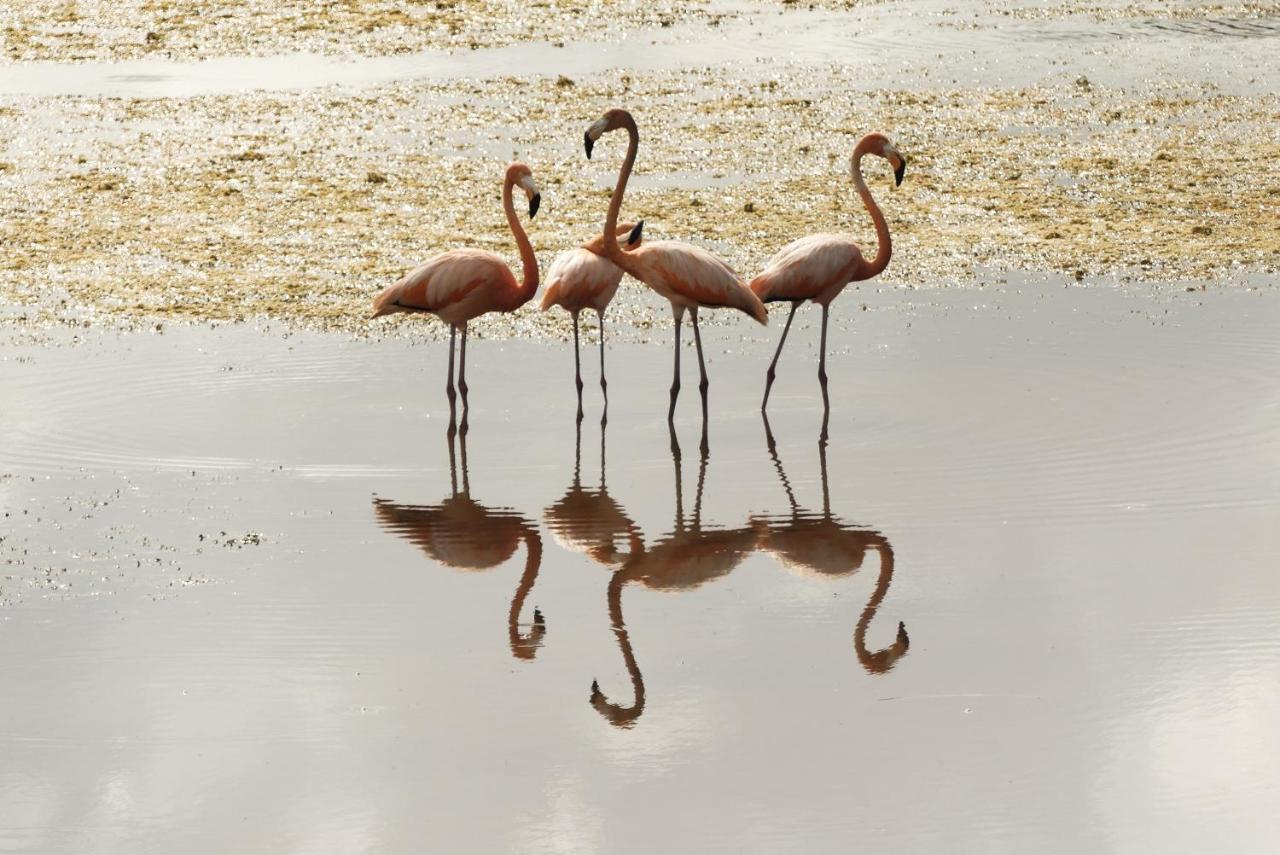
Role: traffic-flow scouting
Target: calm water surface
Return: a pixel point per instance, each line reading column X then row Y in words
column 1024, row 599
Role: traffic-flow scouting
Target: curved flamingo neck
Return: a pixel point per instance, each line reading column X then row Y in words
column 884, row 245
column 528, row 261
column 611, row 248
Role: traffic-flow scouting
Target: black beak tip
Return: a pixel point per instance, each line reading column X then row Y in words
column 634, row 237
column 533, row 205
column 898, row 173
column 587, row 143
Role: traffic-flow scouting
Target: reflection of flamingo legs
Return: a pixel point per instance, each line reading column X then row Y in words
column 825, row 545
column 460, row 533
column 687, row 558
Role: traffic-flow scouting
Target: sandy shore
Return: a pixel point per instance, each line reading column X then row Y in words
column 299, row 205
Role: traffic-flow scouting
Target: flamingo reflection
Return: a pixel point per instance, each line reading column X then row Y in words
column 824, row 546
column 686, row 558
column 591, row 521
column 465, row 535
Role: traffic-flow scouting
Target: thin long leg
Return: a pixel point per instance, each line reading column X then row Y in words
column 771, row 373
column 448, row 387
column 703, row 383
column 675, row 462
column 577, row 365
column 822, row 375
column 466, row 476
column 604, row 384
column 675, row 379
column 462, row 380
column 453, row 462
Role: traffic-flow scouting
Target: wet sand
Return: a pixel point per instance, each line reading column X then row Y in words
column 245, row 609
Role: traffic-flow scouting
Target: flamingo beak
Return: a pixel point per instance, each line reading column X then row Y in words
column 534, row 201
column 900, row 171
column 588, row 143
column 634, row 237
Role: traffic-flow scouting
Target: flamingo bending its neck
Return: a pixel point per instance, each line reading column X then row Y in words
column 818, row 267
column 583, row 278
column 462, row 284
column 688, row 276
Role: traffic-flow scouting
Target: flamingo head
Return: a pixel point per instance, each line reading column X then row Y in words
column 627, row 232
column 610, row 121
column 521, row 175
column 880, row 145
column 633, row 234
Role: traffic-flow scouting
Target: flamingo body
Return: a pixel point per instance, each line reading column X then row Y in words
column 455, row 286
column 583, row 278
column 688, row 276
column 691, row 278
column 816, row 267
column 579, row 279
column 462, row 284
column 819, row 266
column 458, row 532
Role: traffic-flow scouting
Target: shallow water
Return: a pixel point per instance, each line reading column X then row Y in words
column 1023, row 600
column 895, row 45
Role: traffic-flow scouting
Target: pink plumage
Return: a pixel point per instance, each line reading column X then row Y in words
column 816, row 268
column 690, row 277
column 462, row 284
column 455, row 286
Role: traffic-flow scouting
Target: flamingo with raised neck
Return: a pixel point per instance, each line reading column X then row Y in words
column 460, row 285
column 689, row 277
column 818, row 267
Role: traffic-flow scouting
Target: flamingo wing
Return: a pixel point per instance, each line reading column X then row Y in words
column 443, row 282
column 580, row 279
column 805, row 268
column 689, row 275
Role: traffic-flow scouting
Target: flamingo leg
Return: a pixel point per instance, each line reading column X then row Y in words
column 703, row 383
column 822, row 374
column 577, row 365
column 771, row 373
column 675, row 379
column 462, row 379
column 448, row 388
column 604, row 384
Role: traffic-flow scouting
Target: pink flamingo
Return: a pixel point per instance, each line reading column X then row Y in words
column 583, row 278
column 819, row 266
column 462, row 284
column 688, row 276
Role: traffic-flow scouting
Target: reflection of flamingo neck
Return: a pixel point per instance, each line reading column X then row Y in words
column 881, row 660
column 618, row 715
column 526, row 646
